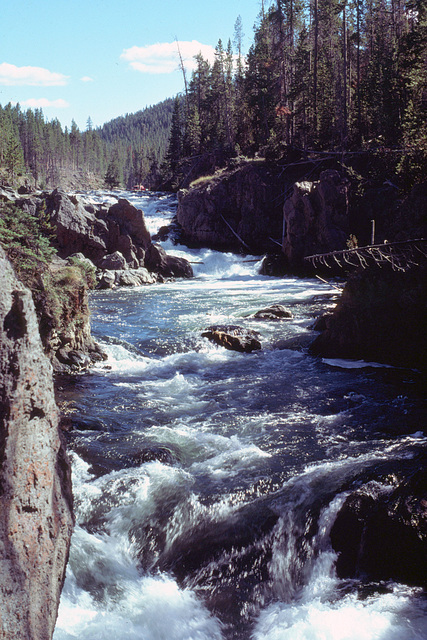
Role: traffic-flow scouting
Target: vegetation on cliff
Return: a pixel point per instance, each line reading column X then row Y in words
column 59, row 289
column 322, row 76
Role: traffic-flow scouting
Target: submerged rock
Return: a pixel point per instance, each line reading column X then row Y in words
column 36, row 518
column 233, row 337
column 381, row 530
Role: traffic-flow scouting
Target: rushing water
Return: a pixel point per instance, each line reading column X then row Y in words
column 207, row 481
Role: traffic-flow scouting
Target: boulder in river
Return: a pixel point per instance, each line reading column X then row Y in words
column 233, row 337
column 157, row 260
column 36, row 518
column 274, row 312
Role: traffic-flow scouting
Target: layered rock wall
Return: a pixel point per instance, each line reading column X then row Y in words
column 35, row 488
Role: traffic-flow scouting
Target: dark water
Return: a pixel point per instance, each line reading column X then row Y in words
column 207, row 481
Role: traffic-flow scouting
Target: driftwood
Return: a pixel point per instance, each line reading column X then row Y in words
column 340, row 289
column 235, row 233
column 401, row 256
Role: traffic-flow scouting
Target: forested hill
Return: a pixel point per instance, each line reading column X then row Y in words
column 321, row 75
column 126, row 151
column 140, row 141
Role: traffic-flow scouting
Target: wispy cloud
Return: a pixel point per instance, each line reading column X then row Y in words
column 40, row 103
column 163, row 57
column 86, row 79
column 12, row 75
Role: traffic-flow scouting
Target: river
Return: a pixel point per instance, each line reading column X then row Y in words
column 207, row 481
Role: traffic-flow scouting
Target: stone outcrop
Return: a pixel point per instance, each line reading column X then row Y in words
column 125, row 278
column 233, row 337
column 62, row 306
column 35, row 488
column 381, row 316
column 316, row 218
column 114, row 238
column 245, row 203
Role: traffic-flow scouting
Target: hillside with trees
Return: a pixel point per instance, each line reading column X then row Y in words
column 123, row 152
column 331, row 76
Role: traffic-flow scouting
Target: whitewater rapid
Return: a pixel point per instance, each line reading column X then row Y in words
column 206, row 481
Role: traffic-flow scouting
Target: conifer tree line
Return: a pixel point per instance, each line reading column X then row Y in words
column 323, row 75
column 124, row 152
column 320, row 75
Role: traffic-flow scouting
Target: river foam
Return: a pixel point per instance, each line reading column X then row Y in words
column 206, row 481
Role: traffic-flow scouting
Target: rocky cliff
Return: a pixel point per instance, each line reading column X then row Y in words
column 108, row 245
column 381, row 316
column 113, row 238
column 316, row 218
column 238, row 209
column 35, row 489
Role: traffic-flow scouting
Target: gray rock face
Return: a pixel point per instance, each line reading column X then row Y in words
column 316, row 218
column 78, row 229
column 114, row 239
column 35, row 487
column 113, row 261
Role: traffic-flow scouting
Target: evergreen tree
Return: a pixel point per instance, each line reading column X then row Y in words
column 113, row 176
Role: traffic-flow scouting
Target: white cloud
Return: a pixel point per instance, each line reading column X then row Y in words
column 40, row 103
column 163, row 57
column 86, row 79
column 12, row 75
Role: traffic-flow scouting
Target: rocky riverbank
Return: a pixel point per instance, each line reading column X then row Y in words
column 381, row 316
column 238, row 209
column 382, row 312
column 95, row 245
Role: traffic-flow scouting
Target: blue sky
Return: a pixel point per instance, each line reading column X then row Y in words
column 102, row 59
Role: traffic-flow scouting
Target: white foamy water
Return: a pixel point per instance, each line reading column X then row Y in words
column 199, row 473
